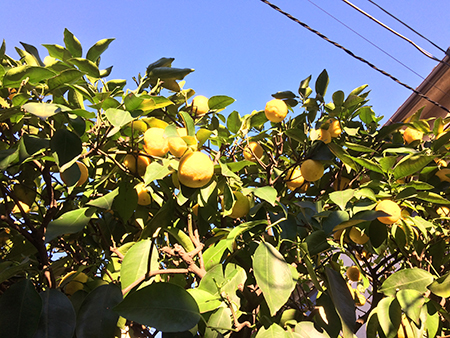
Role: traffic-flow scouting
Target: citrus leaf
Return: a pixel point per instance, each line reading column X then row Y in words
column 20, row 307
column 274, row 331
column 415, row 278
column 441, row 286
column 73, row 45
column 97, row 49
column 14, row 76
column 104, row 202
column 432, row 197
column 118, row 117
column 234, row 122
column 164, row 306
column 206, row 301
column 306, row 329
column 273, row 276
column 389, row 316
column 67, row 76
column 219, row 323
column 411, row 302
column 411, row 164
column 358, row 147
column 67, row 146
column 43, row 110
column 267, row 193
column 71, row 222
column 341, row 198
column 156, row 171
column 219, row 102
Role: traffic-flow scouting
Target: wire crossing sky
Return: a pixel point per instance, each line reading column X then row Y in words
column 244, row 49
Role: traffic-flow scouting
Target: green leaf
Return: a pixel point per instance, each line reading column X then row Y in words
column 306, row 329
column 118, row 117
column 389, row 316
column 43, row 110
column 369, row 164
column 317, row 242
column 219, row 102
column 96, row 317
column 415, row 278
column 215, row 254
column 188, row 123
column 234, row 122
column 341, row 198
column 136, row 264
column 411, row 164
column 34, row 74
column 273, row 276
column 165, row 73
column 86, row 66
column 156, row 171
column 104, row 202
column 322, row 83
column 267, row 193
column 340, row 153
column 358, row 147
column 432, row 197
column 441, row 286
column 67, row 146
column 161, row 219
column 33, row 51
column 69, row 223
column 96, row 50
column 205, row 300
column 58, row 52
column 73, row 45
column 411, row 302
column 343, row 301
column 240, row 229
column 274, row 331
column 304, row 89
column 20, row 306
column 58, row 318
column 67, row 76
column 219, row 323
column 166, row 307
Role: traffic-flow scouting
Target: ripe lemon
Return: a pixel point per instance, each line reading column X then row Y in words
column 177, row 146
column 257, row 150
column 241, row 206
column 136, row 164
column 353, row 273
column 83, row 176
column 139, row 126
column 320, row 134
column 195, row 169
column 144, row 197
column 335, row 128
column 77, row 283
column 411, row 135
column 200, row 105
column 312, row 170
column 294, row 179
column 443, row 211
column 276, row 110
column 341, row 183
column 155, row 143
column 442, row 174
column 391, row 208
column 357, row 236
column 182, row 132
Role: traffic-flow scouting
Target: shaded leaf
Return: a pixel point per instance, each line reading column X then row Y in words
column 389, row 316
column 106, row 201
column 97, row 49
column 415, row 278
column 67, row 146
column 71, row 222
column 441, row 286
column 73, row 45
column 411, row 302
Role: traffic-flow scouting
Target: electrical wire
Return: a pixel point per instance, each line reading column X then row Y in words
column 423, row 51
column 353, row 55
column 407, row 26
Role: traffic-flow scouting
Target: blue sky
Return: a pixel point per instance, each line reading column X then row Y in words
column 242, row 48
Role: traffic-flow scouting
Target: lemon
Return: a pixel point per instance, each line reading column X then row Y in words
column 139, row 126
column 136, row 164
column 155, row 143
column 353, row 273
column 312, row 170
column 276, row 110
column 357, row 236
column 77, row 282
column 442, row 174
column 200, row 105
column 195, row 169
column 411, row 135
column 391, row 208
column 241, row 206
column 177, row 146
column 257, row 150
column 83, row 176
column 144, row 197
column 335, row 128
column 294, row 179
column 320, row 134
column 359, row 298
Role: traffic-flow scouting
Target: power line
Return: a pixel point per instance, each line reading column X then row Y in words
column 373, row 44
column 423, row 51
column 407, row 26
column 353, row 55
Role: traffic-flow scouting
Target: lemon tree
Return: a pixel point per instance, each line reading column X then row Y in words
column 143, row 209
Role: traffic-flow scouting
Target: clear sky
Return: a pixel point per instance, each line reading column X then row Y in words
column 243, row 48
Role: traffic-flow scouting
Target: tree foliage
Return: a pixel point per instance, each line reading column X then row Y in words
column 89, row 258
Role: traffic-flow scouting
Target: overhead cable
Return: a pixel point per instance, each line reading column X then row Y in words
column 407, row 26
column 353, row 55
column 423, row 51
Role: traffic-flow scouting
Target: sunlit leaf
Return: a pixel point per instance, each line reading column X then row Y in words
column 414, row 278
column 71, row 222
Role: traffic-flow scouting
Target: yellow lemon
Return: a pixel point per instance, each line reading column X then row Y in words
column 312, row 170
column 177, row 146
column 276, row 110
column 144, row 197
column 257, row 150
column 200, row 105
column 357, row 236
column 83, row 177
column 294, row 179
column 136, row 164
column 77, row 282
column 139, row 126
column 241, row 206
column 320, row 134
column 411, row 135
column 391, row 208
column 155, row 143
column 353, row 273
column 442, row 174
column 335, row 128
column 195, row 169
